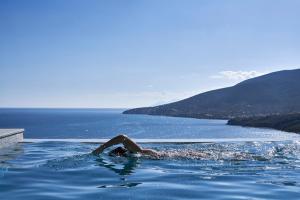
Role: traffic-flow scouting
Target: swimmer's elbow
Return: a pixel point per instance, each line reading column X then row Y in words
column 123, row 136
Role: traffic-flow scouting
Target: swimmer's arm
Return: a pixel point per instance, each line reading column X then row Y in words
column 120, row 139
column 150, row 152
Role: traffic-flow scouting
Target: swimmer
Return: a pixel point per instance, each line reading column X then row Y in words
column 130, row 147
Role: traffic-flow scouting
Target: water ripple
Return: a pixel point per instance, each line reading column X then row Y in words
column 240, row 170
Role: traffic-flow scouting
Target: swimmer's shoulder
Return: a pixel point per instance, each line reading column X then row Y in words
column 150, row 152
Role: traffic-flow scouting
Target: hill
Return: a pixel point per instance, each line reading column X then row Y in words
column 289, row 122
column 274, row 93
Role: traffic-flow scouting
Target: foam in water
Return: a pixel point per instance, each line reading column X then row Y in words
column 238, row 151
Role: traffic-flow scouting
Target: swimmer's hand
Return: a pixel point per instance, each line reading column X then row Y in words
column 99, row 150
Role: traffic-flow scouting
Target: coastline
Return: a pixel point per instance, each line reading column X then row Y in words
column 282, row 122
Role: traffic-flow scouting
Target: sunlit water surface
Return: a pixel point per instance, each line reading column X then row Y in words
column 243, row 170
column 221, row 170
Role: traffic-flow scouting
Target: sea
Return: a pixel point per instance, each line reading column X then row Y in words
column 236, row 163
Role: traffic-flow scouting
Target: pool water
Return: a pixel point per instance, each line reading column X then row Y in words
column 67, row 170
column 221, row 170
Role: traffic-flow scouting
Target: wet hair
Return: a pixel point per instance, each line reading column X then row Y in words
column 119, row 151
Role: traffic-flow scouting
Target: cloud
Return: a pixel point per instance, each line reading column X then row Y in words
column 149, row 86
column 237, row 75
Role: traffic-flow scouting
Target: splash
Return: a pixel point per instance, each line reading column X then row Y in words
column 249, row 151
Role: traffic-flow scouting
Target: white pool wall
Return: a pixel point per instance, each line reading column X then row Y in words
column 10, row 137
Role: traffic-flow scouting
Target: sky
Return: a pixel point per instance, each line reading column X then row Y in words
column 133, row 53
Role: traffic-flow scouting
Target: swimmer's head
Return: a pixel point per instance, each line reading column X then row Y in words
column 119, row 151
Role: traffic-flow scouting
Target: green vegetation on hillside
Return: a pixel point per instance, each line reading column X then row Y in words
column 288, row 122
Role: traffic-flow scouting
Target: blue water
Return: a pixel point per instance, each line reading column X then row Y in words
column 67, row 170
column 105, row 123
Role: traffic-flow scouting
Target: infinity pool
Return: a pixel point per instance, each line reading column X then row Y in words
column 66, row 170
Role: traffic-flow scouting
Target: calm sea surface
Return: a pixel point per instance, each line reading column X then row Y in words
column 221, row 170
column 105, row 123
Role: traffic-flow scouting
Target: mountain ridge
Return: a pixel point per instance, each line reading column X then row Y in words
column 269, row 94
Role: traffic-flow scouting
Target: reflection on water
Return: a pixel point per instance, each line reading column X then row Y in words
column 119, row 165
column 10, row 153
column 125, row 185
column 122, row 166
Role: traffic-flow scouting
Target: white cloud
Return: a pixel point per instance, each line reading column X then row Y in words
column 149, row 86
column 237, row 75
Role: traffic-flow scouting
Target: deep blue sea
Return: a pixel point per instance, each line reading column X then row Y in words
column 239, row 169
